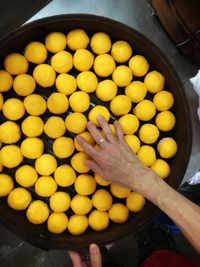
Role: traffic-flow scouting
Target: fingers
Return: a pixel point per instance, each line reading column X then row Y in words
column 75, row 258
column 95, row 256
column 96, row 134
column 94, row 167
column 119, row 132
column 90, row 150
column 106, row 128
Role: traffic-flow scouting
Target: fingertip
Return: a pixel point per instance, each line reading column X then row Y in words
column 94, row 249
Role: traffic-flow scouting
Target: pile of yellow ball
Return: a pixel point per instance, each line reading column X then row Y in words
column 101, row 67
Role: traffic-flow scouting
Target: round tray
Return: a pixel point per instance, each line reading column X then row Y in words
column 16, row 41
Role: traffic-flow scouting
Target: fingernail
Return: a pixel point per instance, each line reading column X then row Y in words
column 99, row 117
column 94, row 249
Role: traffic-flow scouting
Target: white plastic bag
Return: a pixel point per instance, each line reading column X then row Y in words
column 196, row 84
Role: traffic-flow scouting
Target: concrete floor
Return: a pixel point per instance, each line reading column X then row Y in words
column 135, row 13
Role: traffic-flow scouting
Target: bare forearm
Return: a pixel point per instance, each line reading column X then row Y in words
column 181, row 210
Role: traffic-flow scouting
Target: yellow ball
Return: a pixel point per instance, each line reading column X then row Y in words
column 19, row 199
column 76, row 122
column 147, row 155
column 26, row 176
column 77, row 39
column 65, row 175
column 54, row 127
column 37, row 212
column 100, row 43
column 32, row 126
column 78, row 162
column 121, row 51
column 87, row 81
column 120, row 105
column 10, row 156
column 83, row 59
column 136, row 91
column 154, row 81
column 57, row 223
column 6, row 184
column 135, row 202
column 167, row 147
column 81, row 205
column 62, row 62
column 13, row 109
column 100, row 180
column 32, row 147
column 45, row 186
column 6, row 81
column 96, row 111
column 35, row 52
column 102, row 200
column 129, row 123
column 161, row 168
column 133, row 141
column 57, row 103
column 87, row 136
column 165, row 121
column 139, row 65
column 55, row 42
column 44, row 75
column 60, row 201
column 45, row 164
column 98, row 220
column 118, row 213
column 163, row 100
column 122, row 75
column 1, row 101
column 63, row 147
column 148, row 133
column 106, row 90
column 66, row 84
column 79, row 101
column 85, row 184
column 15, row 64
column 145, row 110
column 119, row 191
column 77, row 224
column 104, row 65
column 24, row 84
column 35, row 104
column 9, row 132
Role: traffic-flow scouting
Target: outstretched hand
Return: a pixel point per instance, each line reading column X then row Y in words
column 114, row 161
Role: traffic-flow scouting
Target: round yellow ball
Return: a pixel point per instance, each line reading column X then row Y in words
column 78, row 162
column 139, row 65
column 106, row 90
column 121, row 51
column 79, row 101
column 60, row 201
column 57, row 103
column 77, row 224
column 154, row 81
column 77, row 39
column 32, row 126
column 19, row 198
column 98, row 220
column 122, row 75
column 35, row 104
column 37, row 212
column 35, row 52
column 13, row 109
column 85, row 184
column 87, row 136
column 161, row 168
column 45, row 164
column 55, row 42
column 62, row 62
column 87, row 81
column 57, row 222
column 147, row 155
column 10, row 156
column 54, row 127
column 44, row 75
column 9, row 132
column 163, row 100
column 165, row 121
column 148, row 133
column 129, row 123
column 104, row 65
column 6, row 81
column 15, row 64
column 133, row 141
column 98, row 111
column 76, row 122
column 119, row 191
column 118, row 213
column 83, row 59
column 32, row 147
column 102, row 200
column 65, row 175
column 145, row 110
column 6, row 184
column 135, row 202
column 120, row 105
column 167, row 147
column 81, row 205
column 24, row 84
column 45, row 186
column 100, row 180
column 66, row 83
column 136, row 91
column 100, row 43
column 63, row 147
column 26, row 176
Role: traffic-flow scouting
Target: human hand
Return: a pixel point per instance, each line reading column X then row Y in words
column 115, row 161
column 95, row 258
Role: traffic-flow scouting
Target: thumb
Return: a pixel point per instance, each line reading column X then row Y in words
column 95, row 256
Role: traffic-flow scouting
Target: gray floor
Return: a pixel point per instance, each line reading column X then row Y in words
column 138, row 14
